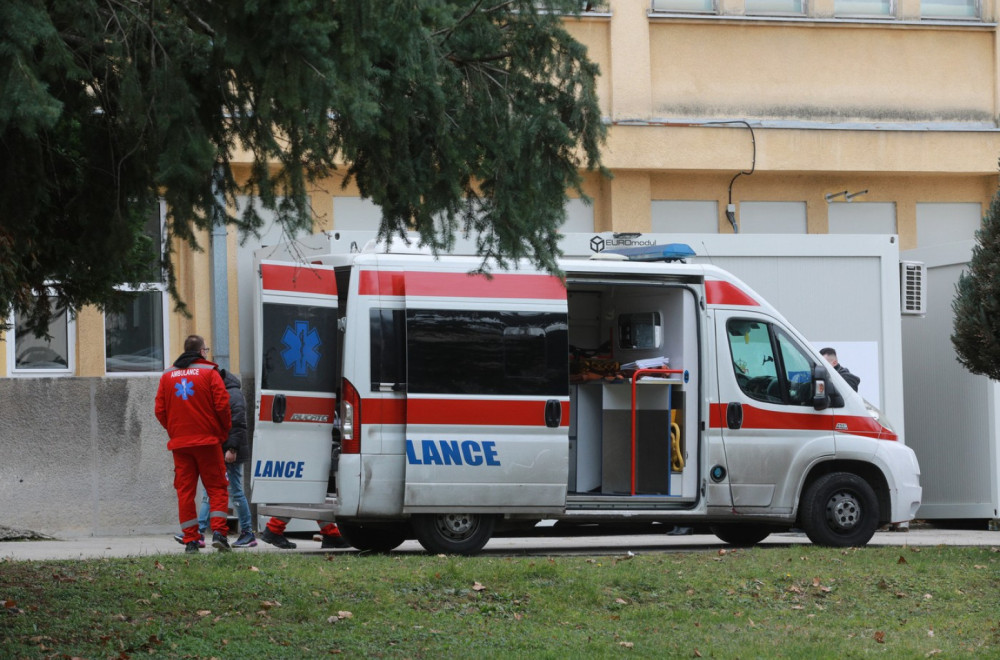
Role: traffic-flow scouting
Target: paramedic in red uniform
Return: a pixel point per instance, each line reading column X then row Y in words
column 193, row 405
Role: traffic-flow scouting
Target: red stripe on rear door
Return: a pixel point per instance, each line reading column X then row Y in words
column 381, row 283
column 383, row 411
column 300, row 405
column 302, row 279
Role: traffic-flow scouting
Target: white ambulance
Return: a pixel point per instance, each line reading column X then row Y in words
column 404, row 396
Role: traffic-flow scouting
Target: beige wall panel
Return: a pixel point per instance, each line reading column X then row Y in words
column 90, row 342
column 594, row 34
column 629, row 202
column 630, row 69
column 795, row 150
column 822, row 73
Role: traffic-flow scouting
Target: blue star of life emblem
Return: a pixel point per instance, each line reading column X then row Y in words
column 184, row 389
column 301, row 348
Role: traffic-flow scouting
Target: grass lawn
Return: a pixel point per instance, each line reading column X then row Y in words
column 765, row 602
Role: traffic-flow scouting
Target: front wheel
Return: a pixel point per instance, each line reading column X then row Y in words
column 741, row 534
column 839, row 510
column 372, row 538
column 453, row 533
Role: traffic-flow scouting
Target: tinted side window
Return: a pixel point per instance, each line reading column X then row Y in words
column 388, row 348
column 299, row 348
column 475, row 352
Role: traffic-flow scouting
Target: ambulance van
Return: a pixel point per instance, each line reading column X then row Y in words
column 407, row 396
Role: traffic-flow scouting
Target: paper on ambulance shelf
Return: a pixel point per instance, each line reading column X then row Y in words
column 647, row 363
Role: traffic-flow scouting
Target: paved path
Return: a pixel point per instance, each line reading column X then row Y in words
column 140, row 546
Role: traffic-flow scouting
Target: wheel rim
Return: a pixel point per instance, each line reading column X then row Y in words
column 457, row 526
column 843, row 511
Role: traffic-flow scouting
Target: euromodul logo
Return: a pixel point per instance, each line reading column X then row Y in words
column 599, row 243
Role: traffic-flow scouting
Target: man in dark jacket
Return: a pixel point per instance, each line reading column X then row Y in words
column 193, row 406
column 831, row 357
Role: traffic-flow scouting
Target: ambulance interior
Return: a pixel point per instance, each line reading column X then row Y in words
column 611, row 327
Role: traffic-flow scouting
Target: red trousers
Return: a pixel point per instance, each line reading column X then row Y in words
column 277, row 525
column 207, row 463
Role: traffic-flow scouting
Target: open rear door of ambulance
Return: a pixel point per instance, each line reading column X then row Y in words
column 487, row 413
column 297, row 372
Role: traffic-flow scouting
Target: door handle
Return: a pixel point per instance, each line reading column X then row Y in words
column 553, row 413
column 278, row 409
column 734, row 415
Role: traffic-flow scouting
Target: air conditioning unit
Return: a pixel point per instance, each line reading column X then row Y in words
column 912, row 287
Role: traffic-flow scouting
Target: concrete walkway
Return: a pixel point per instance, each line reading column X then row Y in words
column 144, row 546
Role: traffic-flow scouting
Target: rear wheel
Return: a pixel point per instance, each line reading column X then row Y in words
column 372, row 538
column 454, row 533
column 741, row 534
column 839, row 510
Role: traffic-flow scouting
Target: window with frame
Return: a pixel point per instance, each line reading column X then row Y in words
column 684, row 6
column 776, row 7
column 135, row 337
column 43, row 356
column 768, row 364
column 950, row 9
column 864, row 8
column 388, row 349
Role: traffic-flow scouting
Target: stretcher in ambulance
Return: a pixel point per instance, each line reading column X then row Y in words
column 405, row 396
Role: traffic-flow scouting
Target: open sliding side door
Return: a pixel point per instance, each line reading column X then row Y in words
column 487, row 413
column 297, row 373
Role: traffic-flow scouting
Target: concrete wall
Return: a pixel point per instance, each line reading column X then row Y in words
column 83, row 457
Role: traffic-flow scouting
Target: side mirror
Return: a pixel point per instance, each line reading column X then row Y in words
column 821, row 400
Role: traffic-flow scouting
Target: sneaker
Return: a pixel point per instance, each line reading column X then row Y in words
column 246, row 540
column 277, row 540
column 201, row 540
column 220, row 541
column 192, row 548
column 333, row 541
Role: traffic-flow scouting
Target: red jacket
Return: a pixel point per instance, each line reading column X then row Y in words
column 193, row 405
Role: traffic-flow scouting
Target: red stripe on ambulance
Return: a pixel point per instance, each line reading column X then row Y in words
column 460, row 285
column 458, row 412
column 759, row 418
column 718, row 292
column 299, row 279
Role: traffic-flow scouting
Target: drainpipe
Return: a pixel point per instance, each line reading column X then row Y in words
column 220, row 278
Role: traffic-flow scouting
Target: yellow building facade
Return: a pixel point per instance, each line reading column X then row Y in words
column 797, row 116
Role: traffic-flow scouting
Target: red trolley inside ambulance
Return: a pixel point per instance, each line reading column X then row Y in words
column 405, row 397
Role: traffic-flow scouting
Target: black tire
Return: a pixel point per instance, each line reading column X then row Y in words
column 453, row 533
column 839, row 510
column 741, row 534
column 369, row 538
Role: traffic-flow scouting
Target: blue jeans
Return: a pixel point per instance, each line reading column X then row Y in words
column 239, row 500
